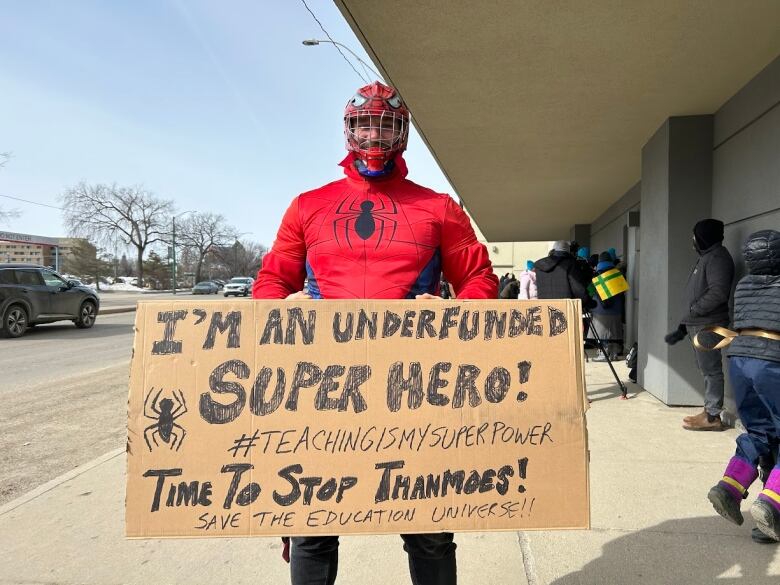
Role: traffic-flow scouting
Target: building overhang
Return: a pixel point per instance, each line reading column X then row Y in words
column 537, row 112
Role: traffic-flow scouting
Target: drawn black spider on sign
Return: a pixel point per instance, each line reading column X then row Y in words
column 165, row 415
column 363, row 219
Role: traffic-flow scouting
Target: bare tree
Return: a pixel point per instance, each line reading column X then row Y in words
column 243, row 258
column 6, row 214
column 204, row 233
column 101, row 212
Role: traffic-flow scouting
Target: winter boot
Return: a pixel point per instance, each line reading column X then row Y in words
column 765, row 466
column 766, row 509
column 727, row 495
column 704, row 422
column 760, row 538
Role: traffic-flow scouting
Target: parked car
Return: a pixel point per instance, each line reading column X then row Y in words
column 239, row 285
column 31, row 295
column 205, row 288
column 219, row 282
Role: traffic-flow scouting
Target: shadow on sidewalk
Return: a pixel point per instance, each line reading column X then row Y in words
column 693, row 551
column 607, row 391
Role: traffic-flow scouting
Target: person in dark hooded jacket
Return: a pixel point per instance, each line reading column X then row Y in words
column 706, row 304
column 559, row 276
column 510, row 289
column 754, row 370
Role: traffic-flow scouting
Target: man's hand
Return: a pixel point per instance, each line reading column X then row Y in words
column 428, row 296
column 301, row 294
column 676, row 335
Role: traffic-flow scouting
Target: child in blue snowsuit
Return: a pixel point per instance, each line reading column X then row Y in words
column 754, row 370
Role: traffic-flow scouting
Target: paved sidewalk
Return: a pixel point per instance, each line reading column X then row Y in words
column 652, row 523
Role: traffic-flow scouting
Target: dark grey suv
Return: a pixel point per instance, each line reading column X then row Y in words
column 31, row 294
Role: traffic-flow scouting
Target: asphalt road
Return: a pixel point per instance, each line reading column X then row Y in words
column 124, row 299
column 64, row 397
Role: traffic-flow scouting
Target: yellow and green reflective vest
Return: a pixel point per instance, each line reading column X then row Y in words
column 609, row 283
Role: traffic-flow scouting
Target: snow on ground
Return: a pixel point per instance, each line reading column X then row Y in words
column 121, row 286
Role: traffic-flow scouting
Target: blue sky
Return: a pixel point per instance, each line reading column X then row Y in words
column 216, row 105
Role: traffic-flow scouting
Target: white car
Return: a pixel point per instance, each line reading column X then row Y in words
column 240, row 285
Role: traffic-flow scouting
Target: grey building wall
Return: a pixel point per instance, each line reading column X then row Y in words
column 746, row 155
column 607, row 231
column 611, row 230
column 725, row 166
column 738, row 181
column 580, row 233
column 746, row 167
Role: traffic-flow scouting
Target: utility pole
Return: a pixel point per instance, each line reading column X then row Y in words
column 173, row 246
column 173, row 253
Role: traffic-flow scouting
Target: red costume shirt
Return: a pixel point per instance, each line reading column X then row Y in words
column 377, row 238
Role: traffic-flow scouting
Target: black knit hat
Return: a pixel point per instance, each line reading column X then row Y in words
column 708, row 232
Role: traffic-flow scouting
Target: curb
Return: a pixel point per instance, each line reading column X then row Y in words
column 114, row 310
column 50, row 485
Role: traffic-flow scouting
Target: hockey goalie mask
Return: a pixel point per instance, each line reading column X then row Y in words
column 376, row 126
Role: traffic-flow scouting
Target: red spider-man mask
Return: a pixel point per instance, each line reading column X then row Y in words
column 376, row 125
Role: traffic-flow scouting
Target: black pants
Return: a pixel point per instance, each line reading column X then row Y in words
column 314, row 560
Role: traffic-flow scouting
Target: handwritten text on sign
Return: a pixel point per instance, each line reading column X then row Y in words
column 328, row 417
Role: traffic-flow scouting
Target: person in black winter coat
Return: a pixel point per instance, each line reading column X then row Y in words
column 511, row 287
column 502, row 282
column 754, row 370
column 707, row 304
column 559, row 276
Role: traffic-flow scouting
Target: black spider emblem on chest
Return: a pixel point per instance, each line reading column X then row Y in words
column 359, row 219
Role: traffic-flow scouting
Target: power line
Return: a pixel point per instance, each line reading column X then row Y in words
column 314, row 16
column 33, row 202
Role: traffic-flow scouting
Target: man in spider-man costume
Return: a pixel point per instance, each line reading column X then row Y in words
column 375, row 235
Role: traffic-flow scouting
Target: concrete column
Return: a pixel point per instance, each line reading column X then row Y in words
column 676, row 193
column 580, row 232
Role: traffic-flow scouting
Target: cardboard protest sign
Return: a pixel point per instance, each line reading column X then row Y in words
column 343, row 417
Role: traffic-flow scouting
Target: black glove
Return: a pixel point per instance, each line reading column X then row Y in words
column 676, row 335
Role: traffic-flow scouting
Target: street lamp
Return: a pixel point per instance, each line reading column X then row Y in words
column 173, row 245
column 315, row 42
